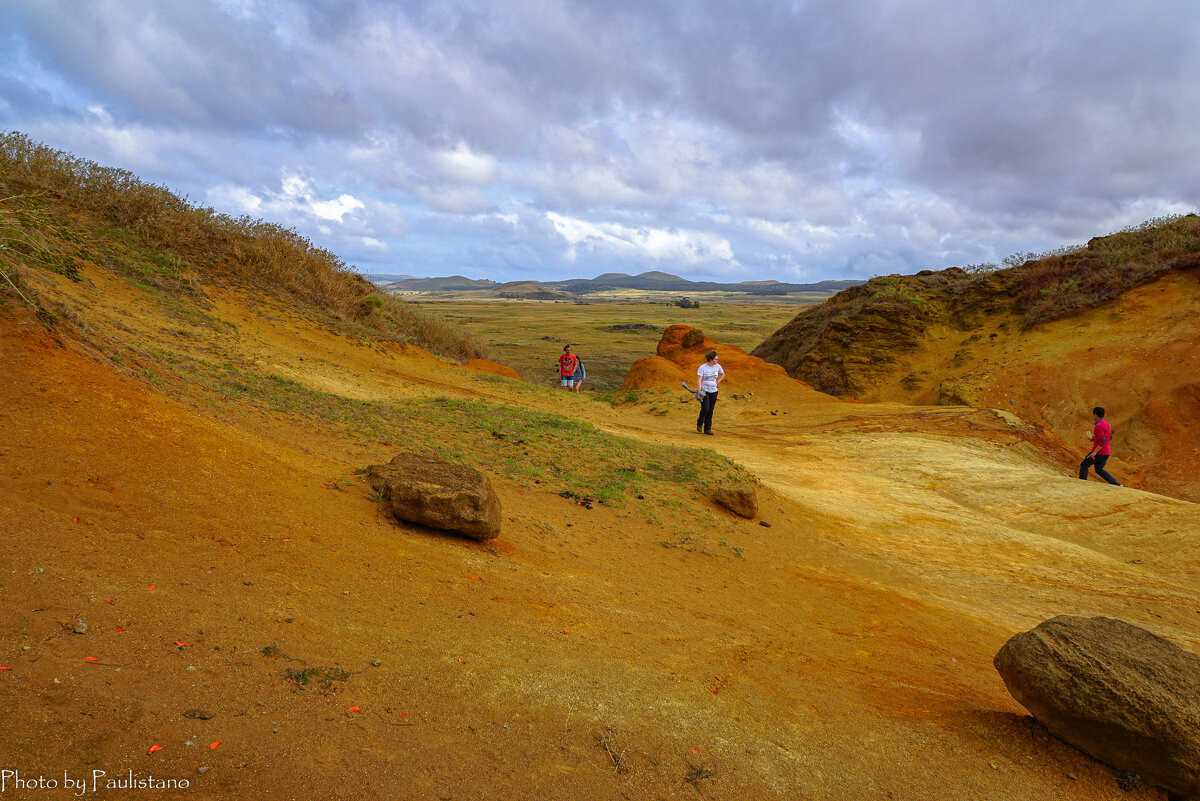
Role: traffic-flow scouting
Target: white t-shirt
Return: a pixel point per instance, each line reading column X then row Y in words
column 706, row 376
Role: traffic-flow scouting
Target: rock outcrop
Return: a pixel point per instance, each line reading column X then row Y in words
column 1127, row 697
column 681, row 350
column 438, row 494
column 741, row 498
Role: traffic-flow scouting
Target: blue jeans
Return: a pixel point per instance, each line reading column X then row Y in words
column 1099, row 460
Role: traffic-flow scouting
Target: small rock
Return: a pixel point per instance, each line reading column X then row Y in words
column 202, row 769
column 248, row 583
column 189, row 743
column 80, row 627
column 191, row 667
column 26, row 647
column 764, row 524
column 198, row 714
column 739, row 498
column 1072, row 777
column 376, row 663
column 993, row 766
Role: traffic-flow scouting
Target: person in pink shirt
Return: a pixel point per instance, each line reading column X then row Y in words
column 1101, row 449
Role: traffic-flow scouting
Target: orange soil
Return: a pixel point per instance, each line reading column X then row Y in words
column 1138, row 356
column 486, row 366
column 845, row 653
column 674, row 363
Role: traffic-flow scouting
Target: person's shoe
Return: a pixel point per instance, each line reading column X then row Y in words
column 699, row 428
column 709, row 433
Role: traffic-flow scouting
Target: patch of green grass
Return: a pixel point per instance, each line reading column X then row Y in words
column 322, row 676
column 529, row 447
column 736, row 550
column 697, row 773
column 618, row 397
column 691, row 543
column 895, row 292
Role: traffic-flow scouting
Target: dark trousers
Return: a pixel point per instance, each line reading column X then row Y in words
column 1099, row 460
column 706, row 410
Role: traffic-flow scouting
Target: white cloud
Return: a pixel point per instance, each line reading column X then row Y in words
column 464, row 166
column 657, row 244
column 235, row 197
column 296, row 198
column 335, row 209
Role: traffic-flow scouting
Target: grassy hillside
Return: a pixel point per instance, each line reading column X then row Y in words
column 853, row 342
column 59, row 213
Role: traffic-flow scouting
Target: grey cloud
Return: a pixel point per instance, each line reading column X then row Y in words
column 905, row 133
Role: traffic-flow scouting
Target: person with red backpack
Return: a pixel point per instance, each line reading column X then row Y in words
column 1101, row 448
column 567, row 363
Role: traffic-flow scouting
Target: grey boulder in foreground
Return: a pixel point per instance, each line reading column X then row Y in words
column 1127, row 697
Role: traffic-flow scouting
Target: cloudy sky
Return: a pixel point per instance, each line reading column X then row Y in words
column 716, row 139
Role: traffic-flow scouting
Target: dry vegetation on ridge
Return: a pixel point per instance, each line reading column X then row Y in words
column 59, row 212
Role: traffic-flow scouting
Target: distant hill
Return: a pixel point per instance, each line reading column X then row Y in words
column 383, row 278
column 649, row 281
column 656, row 275
column 528, row 290
column 1112, row 323
column 453, row 283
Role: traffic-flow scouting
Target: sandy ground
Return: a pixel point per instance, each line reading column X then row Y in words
column 843, row 651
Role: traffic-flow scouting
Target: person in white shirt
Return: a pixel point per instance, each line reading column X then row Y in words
column 708, row 377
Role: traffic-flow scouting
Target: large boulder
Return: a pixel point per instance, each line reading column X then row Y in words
column 1128, row 697
column 438, row 494
column 740, row 498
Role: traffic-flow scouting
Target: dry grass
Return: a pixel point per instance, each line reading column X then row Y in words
column 886, row 317
column 58, row 211
column 1057, row 285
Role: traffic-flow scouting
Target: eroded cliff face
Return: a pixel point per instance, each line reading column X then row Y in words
column 1047, row 341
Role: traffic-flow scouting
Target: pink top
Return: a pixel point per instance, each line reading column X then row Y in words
column 1102, row 436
